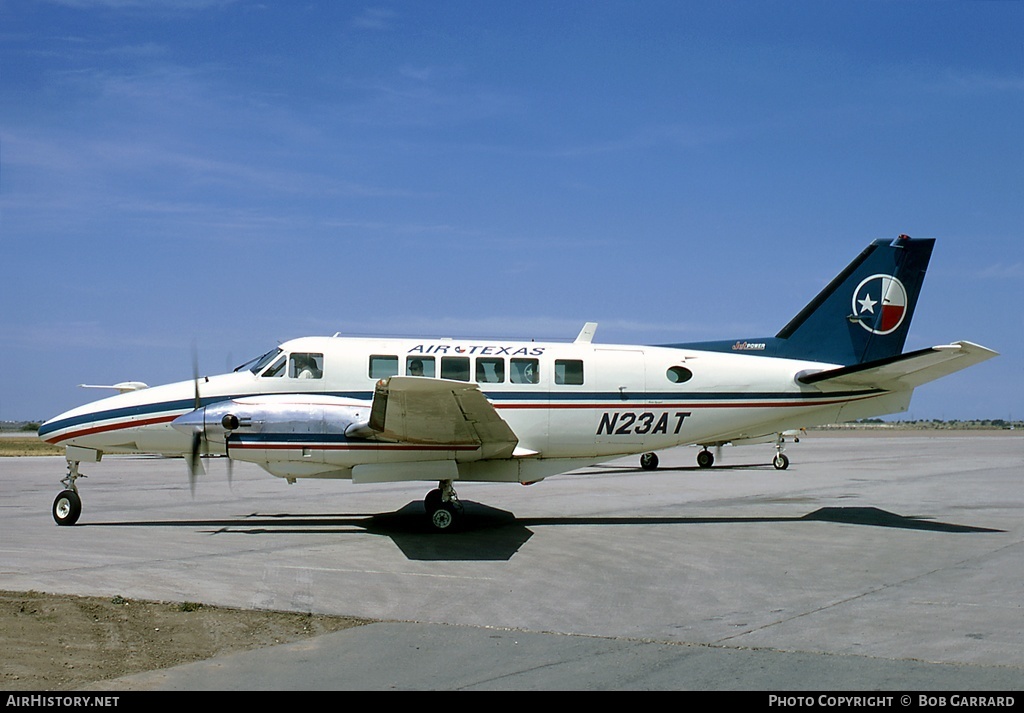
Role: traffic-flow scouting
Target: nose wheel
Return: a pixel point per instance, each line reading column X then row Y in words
column 67, row 506
column 781, row 462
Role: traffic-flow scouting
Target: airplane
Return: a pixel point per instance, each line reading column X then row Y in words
column 469, row 410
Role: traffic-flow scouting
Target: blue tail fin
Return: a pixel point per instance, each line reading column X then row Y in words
column 862, row 315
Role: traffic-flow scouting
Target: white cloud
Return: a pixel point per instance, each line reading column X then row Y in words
column 374, row 18
column 1003, row 271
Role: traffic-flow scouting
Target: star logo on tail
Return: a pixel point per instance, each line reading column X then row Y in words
column 880, row 304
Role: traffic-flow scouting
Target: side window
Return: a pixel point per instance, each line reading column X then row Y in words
column 569, row 371
column 456, row 368
column 419, row 366
column 490, row 370
column 303, row 365
column 382, row 366
column 277, row 368
column 524, row 371
column 678, row 374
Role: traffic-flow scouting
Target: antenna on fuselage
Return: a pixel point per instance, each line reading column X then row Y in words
column 586, row 335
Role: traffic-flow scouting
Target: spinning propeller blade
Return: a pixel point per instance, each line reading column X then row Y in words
column 196, row 421
column 195, row 465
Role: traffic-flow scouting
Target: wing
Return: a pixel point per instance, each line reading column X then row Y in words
column 439, row 411
column 904, row 371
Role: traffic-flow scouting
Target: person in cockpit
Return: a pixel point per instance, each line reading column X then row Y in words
column 305, row 368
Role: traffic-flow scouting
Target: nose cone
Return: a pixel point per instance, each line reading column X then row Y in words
column 55, row 430
column 44, row 428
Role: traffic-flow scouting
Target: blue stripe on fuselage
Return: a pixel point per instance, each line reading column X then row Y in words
column 499, row 398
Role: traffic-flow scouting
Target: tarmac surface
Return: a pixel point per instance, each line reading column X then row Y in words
column 872, row 563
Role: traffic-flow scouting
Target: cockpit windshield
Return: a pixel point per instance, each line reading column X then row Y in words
column 256, row 365
column 300, row 365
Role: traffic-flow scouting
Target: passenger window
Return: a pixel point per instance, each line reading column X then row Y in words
column 277, row 368
column 569, row 371
column 524, row 371
column 490, row 370
column 679, row 374
column 383, row 366
column 304, row 365
column 456, row 368
column 419, row 366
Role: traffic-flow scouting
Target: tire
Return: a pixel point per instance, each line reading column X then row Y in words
column 649, row 461
column 67, row 507
column 442, row 518
column 781, row 461
column 705, row 459
column 432, row 501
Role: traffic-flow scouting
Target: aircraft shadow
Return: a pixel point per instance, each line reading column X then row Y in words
column 843, row 515
column 490, row 534
column 678, row 468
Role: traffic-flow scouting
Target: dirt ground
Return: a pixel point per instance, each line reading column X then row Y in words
column 53, row 643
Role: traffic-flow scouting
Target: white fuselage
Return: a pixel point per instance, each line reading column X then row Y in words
column 566, row 403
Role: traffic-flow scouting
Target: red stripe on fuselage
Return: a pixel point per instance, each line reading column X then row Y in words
column 347, row 447
column 620, row 405
column 106, row 428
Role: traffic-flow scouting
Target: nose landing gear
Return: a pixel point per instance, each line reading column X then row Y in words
column 67, row 507
column 781, row 462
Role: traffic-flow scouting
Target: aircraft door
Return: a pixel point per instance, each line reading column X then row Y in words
column 623, row 417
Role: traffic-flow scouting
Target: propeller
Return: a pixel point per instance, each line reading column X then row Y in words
column 195, row 422
column 230, row 423
column 195, row 465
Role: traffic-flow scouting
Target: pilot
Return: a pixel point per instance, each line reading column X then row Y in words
column 306, row 368
column 416, row 368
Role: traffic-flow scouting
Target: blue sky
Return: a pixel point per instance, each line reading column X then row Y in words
column 232, row 174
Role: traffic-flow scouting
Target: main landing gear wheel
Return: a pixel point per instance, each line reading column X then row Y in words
column 442, row 507
column 433, row 500
column 67, row 507
column 443, row 518
column 649, row 461
column 705, row 459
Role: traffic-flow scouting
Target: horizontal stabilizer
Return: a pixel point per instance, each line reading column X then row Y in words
column 905, row 371
column 123, row 387
column 440, row 412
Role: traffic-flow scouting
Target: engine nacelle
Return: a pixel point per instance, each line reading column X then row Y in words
column 282, row 417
